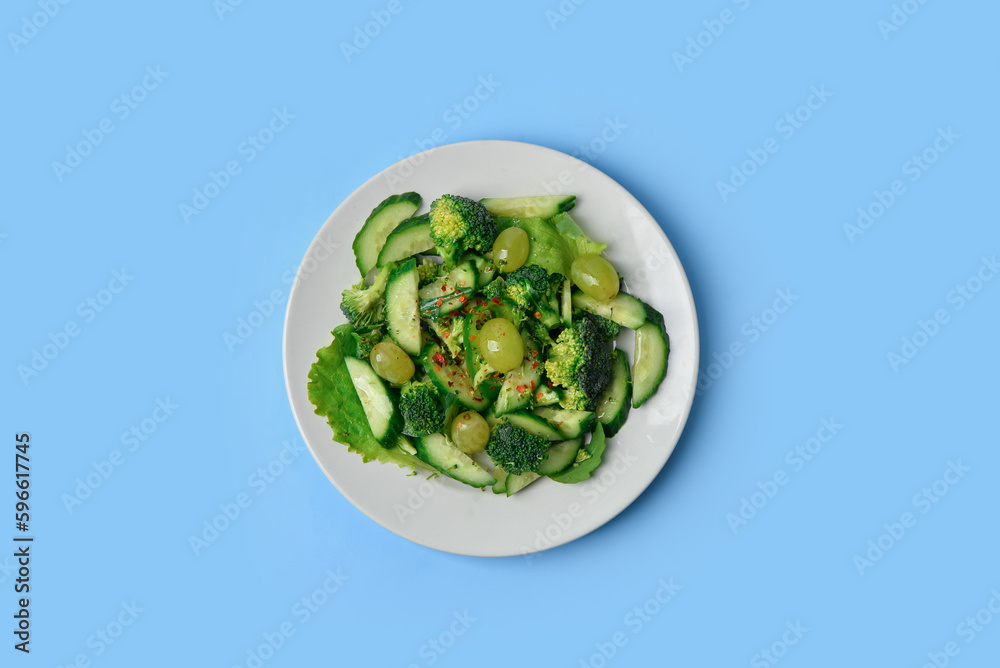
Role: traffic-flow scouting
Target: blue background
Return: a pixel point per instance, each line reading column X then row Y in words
column 560, row 81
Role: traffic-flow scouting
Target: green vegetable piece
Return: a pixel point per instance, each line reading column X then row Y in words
column 332, row 392
column 582, row 470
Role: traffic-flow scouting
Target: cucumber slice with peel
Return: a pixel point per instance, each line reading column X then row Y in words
column 410, row 237
column 383, row 220
column 443, row 455
column 624, row 309
column 533, row 425
column 451, row 378
column 450, row 292
column 560, row 457
column 652, row 346
column 515, row 483
column 402, row 308
column 544, row 206
column 571, row 424
column 615, row 403
column 380, row 408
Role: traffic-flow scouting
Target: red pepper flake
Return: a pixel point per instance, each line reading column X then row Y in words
column 450, row 384
column 521, row 389
column 438, row 359
column 447, row 334
column 444, row 288
column 534, row 353
column 534, row 365
column 538, row 315
column 539, row 396
column 439, row 302
column 532, row 385
column 472, row 337
column 437, row 368
column 496, row 300
column 462, row 299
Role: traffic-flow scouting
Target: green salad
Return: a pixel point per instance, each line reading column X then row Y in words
column 480, row 343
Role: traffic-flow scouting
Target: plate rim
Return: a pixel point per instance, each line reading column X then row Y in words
column 695, row 353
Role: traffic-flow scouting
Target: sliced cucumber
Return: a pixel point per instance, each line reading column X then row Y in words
column 615, row 403
column 533, row 425
column 487, row 270
column 519, row 386
column 410, row 237
column 380, row 408
column 383, row 220
column 402, row 308
column 451, row 378
column 571, row 424
column 651, row 350
column 560, row 457
column 546, row 396
column 624, row 309
column 450, row 292
column 443, row 455
column 500, row 487
column 515, row 483
column 545, row 206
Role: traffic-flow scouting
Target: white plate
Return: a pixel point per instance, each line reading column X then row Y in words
column 442, row 513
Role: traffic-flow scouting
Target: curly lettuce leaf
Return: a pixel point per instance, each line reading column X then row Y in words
column 332, row 392
column 584, row 468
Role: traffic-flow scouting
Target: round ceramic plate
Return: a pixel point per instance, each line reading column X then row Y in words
column 440, row 512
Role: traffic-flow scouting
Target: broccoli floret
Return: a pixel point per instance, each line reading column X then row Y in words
column 364, row 304
column 459, row 224
column 366, row 341
column 609, row 329
column 538, row 331
column 428, row 270
column 514, row 449
column 422, row 408
column 537, row 292
column 496, row 294
column 581, row 362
